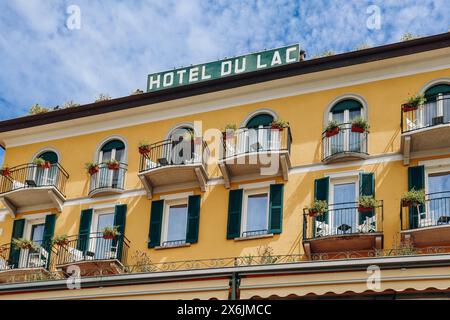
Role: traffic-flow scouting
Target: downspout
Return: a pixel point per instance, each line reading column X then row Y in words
column 234, row 286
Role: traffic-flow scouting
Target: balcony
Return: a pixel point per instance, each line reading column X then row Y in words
column 256, row 153
column 31, row 187
column 93, row 253
column 31, row 264
column 426, row 127
column 342, row 229
column 107, row 181
column 171, row 166
column 345, row 145
column 427, row 225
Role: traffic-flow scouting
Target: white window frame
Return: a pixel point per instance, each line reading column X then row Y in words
column 247, row 193
column 94, row 224
column 166, row 212
column 342, row 180
column 346, row 133
column 428, row 171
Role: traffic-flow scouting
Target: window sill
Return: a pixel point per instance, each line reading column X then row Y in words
column 261, row 236
column 172, row 247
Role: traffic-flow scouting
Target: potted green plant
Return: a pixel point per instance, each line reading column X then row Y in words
column 366, row 204
column 414, row 102
column 61, row 240
column 230, row 128
column 144, row 147
column 5, row 172
column 22, row 243
column 113, row 164
column 92, row 168
column 110, row 233
column 279, row 124
column 332, row 129
column 41, row 163
column 318, row 208
column 360, row 125
column 413, row 198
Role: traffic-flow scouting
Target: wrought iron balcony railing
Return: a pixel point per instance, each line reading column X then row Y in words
column 432, row 113
column 40, row 256
column 31, row 176
column 252, row 140
column 434, row 212
column 92, row 247
column 343, row 143
column 170, row 153
column 107, row 178
column 343, row 219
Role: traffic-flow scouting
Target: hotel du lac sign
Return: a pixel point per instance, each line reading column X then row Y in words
column 223, row 68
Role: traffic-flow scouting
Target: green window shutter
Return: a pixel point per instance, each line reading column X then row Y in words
column 321, row 190
column 49, row 231
column 120, row 215
column 276, row 208
column 14, row 253
column 156, row 216
column 366, row 188
column 113, row 144
column 416, row 181
column 193, row 219
column 234, row 214
column 84, row 230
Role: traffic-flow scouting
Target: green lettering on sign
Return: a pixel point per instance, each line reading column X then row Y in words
column 223, row 68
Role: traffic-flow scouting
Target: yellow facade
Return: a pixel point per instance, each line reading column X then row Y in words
column 305, row 112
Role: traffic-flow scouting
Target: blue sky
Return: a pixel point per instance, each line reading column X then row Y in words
column 120, row 42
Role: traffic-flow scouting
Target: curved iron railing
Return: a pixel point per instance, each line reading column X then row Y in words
column 31, row 175
column 252, row 140
column 343, row 219
column 344, row 142
column 41, row 256
column 432, row 113
column 107, row 178
column 92, row 247
column 170, row 153
column 435, row 212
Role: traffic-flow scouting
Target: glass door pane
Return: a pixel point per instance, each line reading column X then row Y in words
column 344, row 211
column 103, row 247
column 439, row 199
column 177, row 224
column 354, row 138
column 256, row 213
column 337, row 142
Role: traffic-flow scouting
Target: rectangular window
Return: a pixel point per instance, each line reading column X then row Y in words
column 438, row 203
column 175, row 222
column 37, row 233
column 343, row 212
column 256, row 212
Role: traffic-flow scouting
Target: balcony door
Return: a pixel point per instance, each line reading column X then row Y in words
column 102, row 248
column 257, row 135
column 180, row 149
column 438, row 208
column 106, row 178
column 436, row 110
column 344, row 113
column 33, row 258
column 46, row 176
column 343, row 213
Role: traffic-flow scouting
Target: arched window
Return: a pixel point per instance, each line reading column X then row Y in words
column 112, row 150
column 49, row 156
column 440, row 89
column 346, row 110
column 262, row 119
column 437, row 108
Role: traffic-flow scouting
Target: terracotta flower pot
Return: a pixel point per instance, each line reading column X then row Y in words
column 407, row 107
column 357, row 129
column 45, row 165
column 93, row 170
column 333, row 132
column 277, row 127
column 5, row 172
column 113, row 166
column 108, row 236
column 362, row 209
column 312, row 212
column 144, row 149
